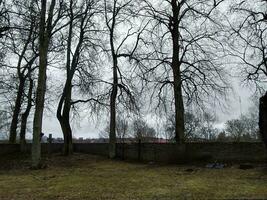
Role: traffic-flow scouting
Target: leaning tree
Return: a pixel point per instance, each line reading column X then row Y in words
column 79, row 65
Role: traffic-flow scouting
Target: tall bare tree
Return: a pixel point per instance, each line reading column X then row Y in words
column 45, row 34
column 248, row 43
column 80, row 23
column 26, row 113
column 186, row 56
column 118, row 14
column 22, row 44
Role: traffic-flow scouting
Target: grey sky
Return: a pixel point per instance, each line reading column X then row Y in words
column 91, row 128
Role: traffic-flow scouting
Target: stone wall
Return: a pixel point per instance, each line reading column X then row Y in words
column 14, row 148
column 167, row 153
column 213, row 151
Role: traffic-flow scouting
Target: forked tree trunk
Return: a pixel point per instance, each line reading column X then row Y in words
column 263, row 118
column 24, row 118
column 67, row 134
column 16, row 112
column 22, row 79
column 64, row 119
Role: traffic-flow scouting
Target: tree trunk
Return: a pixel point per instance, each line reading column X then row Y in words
column 177, row 85
column 263, row 118
column 24, row 118
column 113, row 97
column 41, row 88
column 64, row 106
column 64, row 118
column 66, row 128
column 179, row 109
column 16, row 112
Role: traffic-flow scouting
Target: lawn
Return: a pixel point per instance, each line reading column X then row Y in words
column 91, row 177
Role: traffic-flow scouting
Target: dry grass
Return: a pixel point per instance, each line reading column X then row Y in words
column 92, row 177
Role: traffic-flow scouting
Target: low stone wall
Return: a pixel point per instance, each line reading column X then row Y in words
column 91, row 148
column 243, row 151
column 167, row 153
column 14, row 148
column 8, row 148
column 213, row 151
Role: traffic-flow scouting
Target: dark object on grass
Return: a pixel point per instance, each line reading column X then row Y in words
column 189, row 170
column 246, row 166
column 263, row 118
column 215, row 165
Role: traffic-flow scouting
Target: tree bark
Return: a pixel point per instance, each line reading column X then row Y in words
column 64, row 118
column 44, row 38
column 113, row 97
column 16, row 112
column 263, row 118
column 25, row 116
column 177, row 85
column 64, row 105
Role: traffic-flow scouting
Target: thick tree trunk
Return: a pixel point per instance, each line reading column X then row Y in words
column 41, row 88
column 24, row 118
column 64, row 118
column 66, row 128
column 16, row 112
column 177, row 85
column 179, row 109
column 38, row 115
column 263, row 118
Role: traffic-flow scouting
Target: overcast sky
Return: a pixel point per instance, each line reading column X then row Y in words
column 91, row 128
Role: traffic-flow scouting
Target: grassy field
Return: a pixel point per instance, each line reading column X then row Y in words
column 91, row 177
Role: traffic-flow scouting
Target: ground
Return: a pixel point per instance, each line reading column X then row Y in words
column 91, row 177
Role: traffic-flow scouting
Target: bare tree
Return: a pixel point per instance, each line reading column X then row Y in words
column 142, row 131
column 80, row 24
column 198, row 126
column 26, row 113
column 45, row 34
column 120, row 13
column 249, row 44
column 248, row 38
column 186, row 56
column 22, row 44
column 122, row 128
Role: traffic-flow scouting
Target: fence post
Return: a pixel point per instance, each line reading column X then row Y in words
column 123, row 149
column 139, row 149
column 50, row 139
